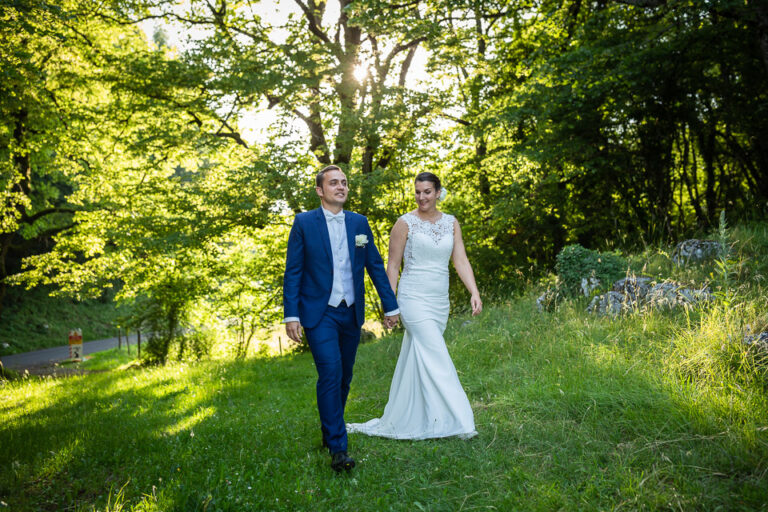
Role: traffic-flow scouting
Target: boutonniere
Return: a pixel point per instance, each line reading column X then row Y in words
column 361, row 240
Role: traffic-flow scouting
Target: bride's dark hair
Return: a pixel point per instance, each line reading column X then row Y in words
column 428, row 176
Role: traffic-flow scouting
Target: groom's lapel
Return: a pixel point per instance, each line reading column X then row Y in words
column 350, row 237
column 322, row 228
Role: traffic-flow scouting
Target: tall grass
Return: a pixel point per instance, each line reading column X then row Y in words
column 573, row 413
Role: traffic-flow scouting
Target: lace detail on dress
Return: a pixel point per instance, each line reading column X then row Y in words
column 436, row 231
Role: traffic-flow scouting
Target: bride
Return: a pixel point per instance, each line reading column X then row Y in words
column 426, row 399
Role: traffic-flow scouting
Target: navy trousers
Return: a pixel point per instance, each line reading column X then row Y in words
column 333, row 343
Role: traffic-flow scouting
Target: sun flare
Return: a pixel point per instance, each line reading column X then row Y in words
column 360, row 72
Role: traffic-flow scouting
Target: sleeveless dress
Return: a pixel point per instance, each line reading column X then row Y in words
column 426, row 399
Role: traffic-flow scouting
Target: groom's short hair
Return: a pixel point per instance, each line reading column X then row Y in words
column 321, row 175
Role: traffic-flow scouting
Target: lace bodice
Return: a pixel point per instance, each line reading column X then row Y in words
column 429, row 245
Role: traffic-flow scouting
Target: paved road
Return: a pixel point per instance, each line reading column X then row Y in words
column 56, row 354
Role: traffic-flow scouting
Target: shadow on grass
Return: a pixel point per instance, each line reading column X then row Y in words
column 572, row 413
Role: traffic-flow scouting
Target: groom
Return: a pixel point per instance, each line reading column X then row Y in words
column 324, row 292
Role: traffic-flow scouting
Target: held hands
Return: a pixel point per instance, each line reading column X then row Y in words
column 477, row 304
column 293, row 330
column 391, row 321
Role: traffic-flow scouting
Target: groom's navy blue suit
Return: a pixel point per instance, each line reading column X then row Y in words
column 333, row 332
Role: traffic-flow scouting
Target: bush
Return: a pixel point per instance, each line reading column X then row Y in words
column 8, row 374
column 575, row 263
column 197, row 344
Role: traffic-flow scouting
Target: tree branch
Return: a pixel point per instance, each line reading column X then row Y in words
column 402, row 47
column 232, row 134
column 643, row 3
column 400, row 6
column 31, row 219
column 462, row 122
column 406, row 65
column 317, row 135
column 313, row 27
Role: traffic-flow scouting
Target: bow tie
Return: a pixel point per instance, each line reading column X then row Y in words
column 330, row 217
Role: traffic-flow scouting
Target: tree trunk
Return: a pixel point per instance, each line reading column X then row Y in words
column 347, row 91
column 689, row 155
column 5, row 244
column 762, row 30
column 707, row 146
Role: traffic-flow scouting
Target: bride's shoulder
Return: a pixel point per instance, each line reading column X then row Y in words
column 449, row 219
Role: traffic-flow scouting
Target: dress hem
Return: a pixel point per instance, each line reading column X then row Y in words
column 351, row 429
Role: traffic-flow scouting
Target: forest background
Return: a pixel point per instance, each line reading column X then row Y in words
column 163, row 172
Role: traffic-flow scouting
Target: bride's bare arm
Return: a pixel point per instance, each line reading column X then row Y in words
column 397, row 239
column 464, row 269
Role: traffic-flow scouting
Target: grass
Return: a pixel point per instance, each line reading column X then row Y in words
column 40, row 321
column 574, row 413
column 654, row 411
column 116, row 358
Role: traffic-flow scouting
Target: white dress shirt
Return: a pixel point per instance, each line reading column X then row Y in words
column 343, row 284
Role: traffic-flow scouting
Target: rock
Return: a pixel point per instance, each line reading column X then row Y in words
column 696, row 250
column 611, row 303
column 632, row 293
column 671, row 294
column 760, row 340
column 635, row 287
column 663, row 295
column 694, row 296
column 589, row 284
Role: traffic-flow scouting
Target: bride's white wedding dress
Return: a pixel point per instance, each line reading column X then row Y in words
column 426, row 399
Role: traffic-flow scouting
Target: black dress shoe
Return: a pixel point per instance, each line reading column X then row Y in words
column 340, row 460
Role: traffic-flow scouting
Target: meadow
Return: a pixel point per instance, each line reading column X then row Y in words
column 657, row 410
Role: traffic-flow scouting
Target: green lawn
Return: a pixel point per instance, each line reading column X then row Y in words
column 573, row 413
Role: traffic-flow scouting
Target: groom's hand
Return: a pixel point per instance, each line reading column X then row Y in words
column 293, row 330
column 391, row 321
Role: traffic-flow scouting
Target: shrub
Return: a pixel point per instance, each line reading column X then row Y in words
column 575, row 263
column 8, row 374
column 196, row 345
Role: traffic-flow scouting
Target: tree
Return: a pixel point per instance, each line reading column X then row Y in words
column 606, row 120
column 149, row 193
column 45, row 56
column 340, row 74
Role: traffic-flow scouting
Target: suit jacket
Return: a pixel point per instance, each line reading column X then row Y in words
column 308, row 278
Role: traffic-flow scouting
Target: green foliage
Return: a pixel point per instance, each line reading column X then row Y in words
column 49, row 133
column 725, row 264
column 604, row 124
column 575, row 263
column 164, row 319
column 33, row 320
column 8, row 374
column 196, row 345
